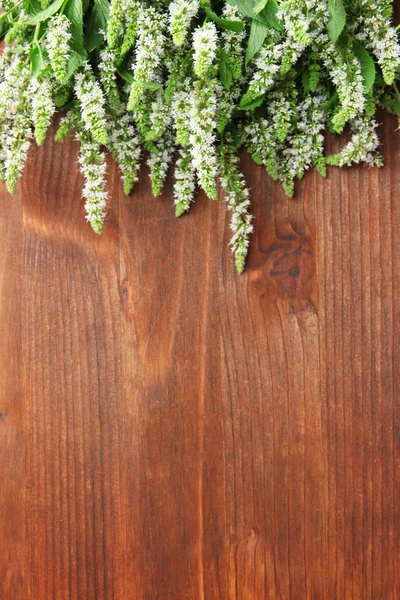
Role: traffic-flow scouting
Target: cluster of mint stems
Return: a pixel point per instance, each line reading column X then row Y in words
column 177, row 83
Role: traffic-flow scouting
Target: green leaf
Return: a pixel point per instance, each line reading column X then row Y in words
column 125, row 74
column 337, row 19
column 252, row 104
column 97, row 22
column 260, row 5
column 258, row 33
column 152, row 86
column 75, row 61
column 73, row 10
column 47, row 13
column 103, row 9
column 368, row 69
column 225, row 71
column 267, row 15
column 38, row 63
column 236, row 26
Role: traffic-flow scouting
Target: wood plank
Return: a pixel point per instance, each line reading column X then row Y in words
column 12, row 434
column 71, row 355
column 171, row 430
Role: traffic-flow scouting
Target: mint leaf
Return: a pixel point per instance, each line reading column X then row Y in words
column 225, row 71
column 236, row 26
column 368, row 70
column 258, row 33
column 337, row 19
column 244, row 105
column 45, row 14
column 260, row 5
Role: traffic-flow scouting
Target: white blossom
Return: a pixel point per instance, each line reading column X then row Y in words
column 58, row 47
column 202, row 136
column 93, row 167
column 92, row 104
column 149, row 53
column 124, row 144
column 181, row 13
column 205, row 48
column 42, row 107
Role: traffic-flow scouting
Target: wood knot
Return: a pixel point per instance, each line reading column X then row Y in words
column 2, row 416
column 287, row 271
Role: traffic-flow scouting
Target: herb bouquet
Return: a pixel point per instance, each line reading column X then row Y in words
column 191, row 82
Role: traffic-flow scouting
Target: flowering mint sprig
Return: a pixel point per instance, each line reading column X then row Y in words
column 160, row 118
column 93, row 167
column 267, row 66
column 58, row 45
column 232, row 42
column 306, row 145
column 124, row 144
column 149, row 53
column 345, row 71
column 363, row 146
column 115, row 22
column 159, row 160
column 203, row 137
column 181, row 13
column 205, row 49
column 297, row 21
column 43, row 108
column 108, row 78
column 67, row 124
column 92, row 104
column 185, row 182
column 131, row 15
column 380, row 37
column 238, row 199
column 15, row 123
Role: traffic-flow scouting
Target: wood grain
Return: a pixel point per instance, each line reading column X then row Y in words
column 169, row 430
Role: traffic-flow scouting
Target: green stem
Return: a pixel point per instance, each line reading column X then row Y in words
column 37, row 30
column 4, row 15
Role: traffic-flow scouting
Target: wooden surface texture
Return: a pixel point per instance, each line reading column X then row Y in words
column 171, row 431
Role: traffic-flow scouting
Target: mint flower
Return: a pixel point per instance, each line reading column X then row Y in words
column 305, row 146
column 380, row 37
column 67, row 124
column 43, row 108
column 108, row 77
column 202, row 136
column 233, row 42
column 114, row 23
column 15, row 121
column 92, row 104
column 181, row 114
column 205, row 49
column 160, row 118
column 363, row 146
column 345, row 71
column 263, row 145
column 267, row 66
column 149, row 53
column 185, row 182
column 57, row 44
column 124, row 144
column 93, row 168
column 181, row 13
column 159, row 161
column 131, row 15
column 237, row 196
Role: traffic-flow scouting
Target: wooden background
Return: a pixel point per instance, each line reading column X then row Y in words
column 169, row 430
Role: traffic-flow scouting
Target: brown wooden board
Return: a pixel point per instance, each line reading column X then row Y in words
column 170, row 430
